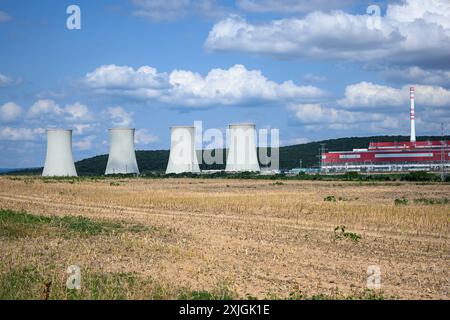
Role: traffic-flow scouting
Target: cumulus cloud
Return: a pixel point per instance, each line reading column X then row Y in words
column 417, row 74
column 44, row 107
column 233, row 86
column 365, row 95
column 119, row 116
column 317, row 117
column 319, row 114
column 411, row 33
column 49, row 109
column 124, row 77
column 77, row 112
column 144, row 137
column 169, row 10
column 10, row 111
column 21, row 134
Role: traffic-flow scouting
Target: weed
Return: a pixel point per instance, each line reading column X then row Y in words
column 330, row 198
column 341, row 233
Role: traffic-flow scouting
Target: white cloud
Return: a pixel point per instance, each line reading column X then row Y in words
column 18, row 134
column 44, row 107
column 80, row 129
column 169, row 10
column 319, row 118
column 124, row 77
column 232, row 86
column 10, row 111
column 368, row 95
column 410, row 32
column 77, row 112
column 120, row 117
column 417, row 74
column 318, row 114
column 4, row 16
column 84, row 144
column 143, row 137
column 47, row 109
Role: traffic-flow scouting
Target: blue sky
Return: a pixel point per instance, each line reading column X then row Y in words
column 314, row 69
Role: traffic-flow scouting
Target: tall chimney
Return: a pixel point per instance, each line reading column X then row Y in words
column 412, row 115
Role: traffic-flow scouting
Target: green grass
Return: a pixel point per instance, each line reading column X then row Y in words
column 15, row 224
column 30, row 284
column 19, row 284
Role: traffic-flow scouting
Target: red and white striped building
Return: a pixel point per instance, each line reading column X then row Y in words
column 392, row 156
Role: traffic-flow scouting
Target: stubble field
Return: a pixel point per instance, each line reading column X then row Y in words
column 218, row 239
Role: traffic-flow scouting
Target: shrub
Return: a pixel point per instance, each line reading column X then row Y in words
column 420, row 176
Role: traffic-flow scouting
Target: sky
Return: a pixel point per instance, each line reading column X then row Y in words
column 314, row 69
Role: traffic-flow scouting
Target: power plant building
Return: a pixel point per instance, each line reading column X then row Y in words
column 392, row 156
column 59, row 158
column 122, row 156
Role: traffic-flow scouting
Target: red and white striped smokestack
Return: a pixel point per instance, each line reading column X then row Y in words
column 412, row 115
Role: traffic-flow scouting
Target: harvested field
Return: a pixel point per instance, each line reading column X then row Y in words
column 213, row 238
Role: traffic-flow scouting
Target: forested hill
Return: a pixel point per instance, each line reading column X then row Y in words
column 290, row 156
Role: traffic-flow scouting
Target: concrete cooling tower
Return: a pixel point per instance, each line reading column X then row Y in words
column 183, row 157
column 122, row 158
column 59, row 159
column 242, row 148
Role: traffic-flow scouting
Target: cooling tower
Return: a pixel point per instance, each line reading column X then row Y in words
column 183, row 157
column 59, row 159
column 242, row 148
column 122, row 158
